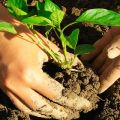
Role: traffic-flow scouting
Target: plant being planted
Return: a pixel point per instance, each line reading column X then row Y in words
column 56, row 26
column 51, row 16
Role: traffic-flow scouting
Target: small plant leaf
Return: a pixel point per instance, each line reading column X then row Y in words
column 18, row 8
column 72, row 39
column 21, row 4
column 50, row 6
column 37, row 20
column 84, row 49
column 5, row 26
column 41, row 11
column 100, row 16
column 40, row 8
column 18, row 13
column 63, row 40
column 57, row 17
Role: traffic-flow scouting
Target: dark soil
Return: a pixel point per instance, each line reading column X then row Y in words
column 87, row 81
column 111, row 108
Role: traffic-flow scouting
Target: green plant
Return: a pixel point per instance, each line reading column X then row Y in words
column 50, row 15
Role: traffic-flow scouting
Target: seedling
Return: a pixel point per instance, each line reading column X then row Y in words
column 50, row 15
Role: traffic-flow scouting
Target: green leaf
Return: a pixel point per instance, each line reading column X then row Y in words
column 5, row 26
column 63, row 40
column 57, row 17
column 40, row 8
column 72, row 39
column 37, row 20
column 18, row 13
column 84, row 49
column 41, row 11
column 21, row 4
column 50, row 6
column 100, row 16
column 18, row 8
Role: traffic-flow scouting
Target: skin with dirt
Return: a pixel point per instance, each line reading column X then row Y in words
column 82, row 82
column 78, row 80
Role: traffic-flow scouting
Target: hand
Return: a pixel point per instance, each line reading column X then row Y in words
column 107, row 58
column 22, row 78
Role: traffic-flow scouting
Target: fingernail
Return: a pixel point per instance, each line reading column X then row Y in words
column 103, row 86
column 100, row 90
column 113, row 52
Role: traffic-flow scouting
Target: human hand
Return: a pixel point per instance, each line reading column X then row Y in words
column 22, row 78
column 107, row 58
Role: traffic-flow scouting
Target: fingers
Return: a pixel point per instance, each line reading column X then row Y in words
column 23, row 107
column 61, row 112
column 109, row 76
column 45, row 85
column 42, row 107
column 105, row 65
column 28, row 96
column 50, row 88
column 106, row 39
column 101, row 43
column 57, row 111
column 74, row 101
column 99, row 61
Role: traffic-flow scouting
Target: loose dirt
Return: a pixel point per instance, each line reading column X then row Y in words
column 111, row 108
column 79, row 80
column 84, row 83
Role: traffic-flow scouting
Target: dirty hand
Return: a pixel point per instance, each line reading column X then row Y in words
column 107, row 58
column 22, row 77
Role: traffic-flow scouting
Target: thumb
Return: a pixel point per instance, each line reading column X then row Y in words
column 113, row 52
column 114, row 48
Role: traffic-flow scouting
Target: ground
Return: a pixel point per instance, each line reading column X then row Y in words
column 109, row 105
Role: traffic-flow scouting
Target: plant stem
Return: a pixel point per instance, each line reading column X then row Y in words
column 68, row 26
column 63, row 41
column 75, row 56
column 47, row 33
column 56, row 33
column 65, row 53
column 48, row 50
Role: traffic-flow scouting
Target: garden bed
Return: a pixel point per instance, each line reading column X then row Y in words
column 109, row 102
